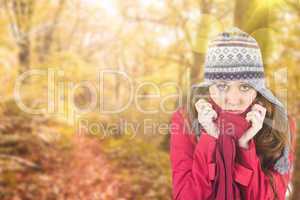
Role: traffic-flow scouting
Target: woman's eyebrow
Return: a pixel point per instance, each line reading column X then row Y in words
column 242, row 83
column 222, row 82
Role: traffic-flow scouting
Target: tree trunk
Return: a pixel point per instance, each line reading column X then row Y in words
column 46, row 41
column 201, row 43
column 24, row 54
column 20, row 14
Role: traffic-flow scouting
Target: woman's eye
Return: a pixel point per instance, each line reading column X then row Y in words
column 222, row 86
column 245, row 87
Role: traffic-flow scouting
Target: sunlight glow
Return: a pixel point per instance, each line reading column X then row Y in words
column 167, row 39
column 157, row 4
column 272, row 3
column 108, row 5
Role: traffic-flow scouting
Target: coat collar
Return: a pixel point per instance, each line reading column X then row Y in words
column 231, row 123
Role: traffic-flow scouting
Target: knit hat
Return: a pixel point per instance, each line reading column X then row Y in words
column 235, row 55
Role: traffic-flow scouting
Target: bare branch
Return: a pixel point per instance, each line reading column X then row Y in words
column 22, row 161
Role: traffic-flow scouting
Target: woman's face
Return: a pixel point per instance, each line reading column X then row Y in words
column 232, row 96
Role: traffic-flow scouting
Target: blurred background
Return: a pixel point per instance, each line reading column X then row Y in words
column 88, row 88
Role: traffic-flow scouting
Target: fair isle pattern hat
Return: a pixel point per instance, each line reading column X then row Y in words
column 235, row 55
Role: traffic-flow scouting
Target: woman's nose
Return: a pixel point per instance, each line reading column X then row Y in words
column 233, row 97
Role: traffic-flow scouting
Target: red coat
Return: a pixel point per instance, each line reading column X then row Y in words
column 193, row 167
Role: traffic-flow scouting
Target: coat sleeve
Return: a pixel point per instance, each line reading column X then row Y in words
column 193, row 168
column 255, row 183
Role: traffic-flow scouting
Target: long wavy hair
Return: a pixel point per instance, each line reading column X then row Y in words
column 270, row 140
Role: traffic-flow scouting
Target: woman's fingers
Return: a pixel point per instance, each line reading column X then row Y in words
column 205, row 115
column 215, row 115
column 205, row 109
column 262, row 110
column 202, row 104
column 256, row 116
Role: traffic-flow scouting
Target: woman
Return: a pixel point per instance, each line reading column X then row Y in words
column 233, row 140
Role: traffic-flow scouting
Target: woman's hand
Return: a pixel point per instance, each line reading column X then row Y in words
column 256, row 116
column 206, row 114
